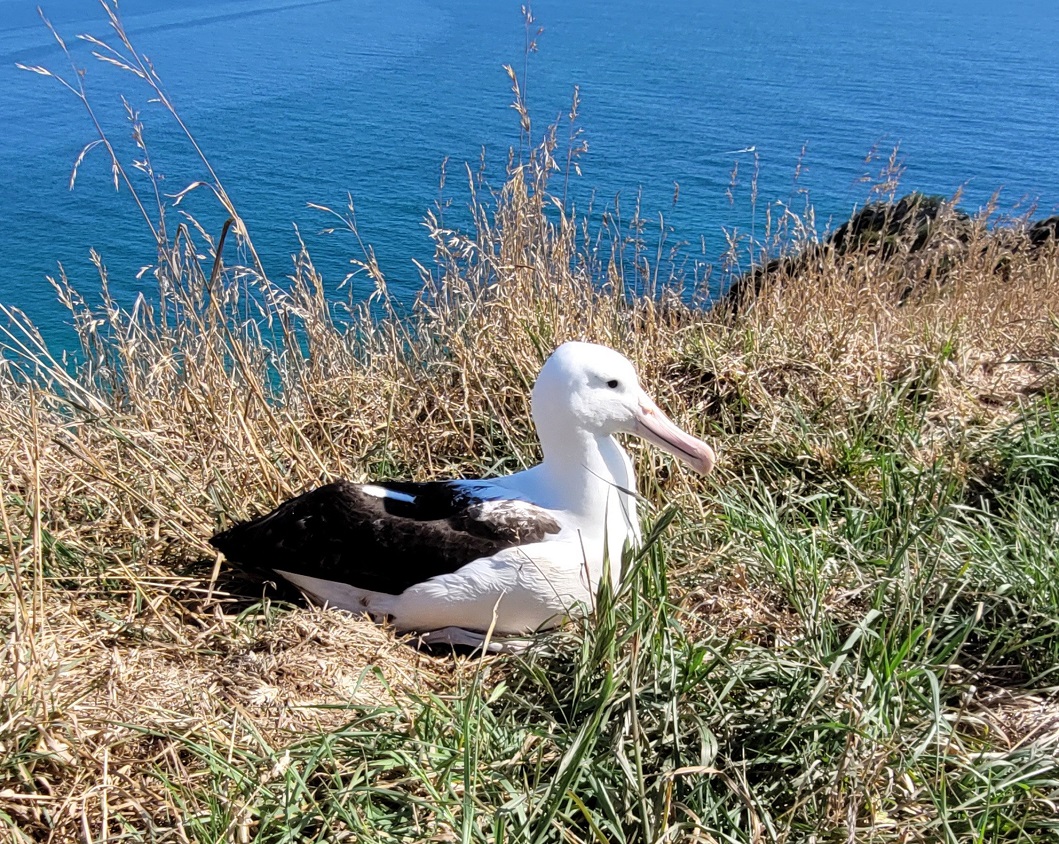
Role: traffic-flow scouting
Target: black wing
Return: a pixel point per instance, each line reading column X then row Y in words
column 341, row 533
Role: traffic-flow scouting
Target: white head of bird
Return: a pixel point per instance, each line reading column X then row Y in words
column 589, row 390
column 584, row 395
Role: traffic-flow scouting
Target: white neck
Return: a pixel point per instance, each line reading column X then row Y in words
column 590, row 477
column 584, row 471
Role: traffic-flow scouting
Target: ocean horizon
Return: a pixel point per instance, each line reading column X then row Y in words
column 310, row 101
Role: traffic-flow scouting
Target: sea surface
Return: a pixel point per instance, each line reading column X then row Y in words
column 308, row 101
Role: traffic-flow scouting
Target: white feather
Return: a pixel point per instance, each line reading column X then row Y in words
column 383, row 492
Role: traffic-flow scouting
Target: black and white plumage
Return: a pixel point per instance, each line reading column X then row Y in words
column 511, row 555
column 353, row 533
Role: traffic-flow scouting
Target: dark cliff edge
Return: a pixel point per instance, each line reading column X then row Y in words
column 927, row 233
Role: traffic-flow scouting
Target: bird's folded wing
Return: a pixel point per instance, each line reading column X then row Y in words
column 385, row 537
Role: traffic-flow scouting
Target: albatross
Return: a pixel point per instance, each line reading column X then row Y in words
column 473, row 561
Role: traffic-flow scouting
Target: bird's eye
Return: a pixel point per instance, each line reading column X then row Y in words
column 613, row 383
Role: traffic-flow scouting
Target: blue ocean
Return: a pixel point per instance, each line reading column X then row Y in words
column 313, row 101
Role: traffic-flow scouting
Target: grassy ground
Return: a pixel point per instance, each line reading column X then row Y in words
column 849, row 632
